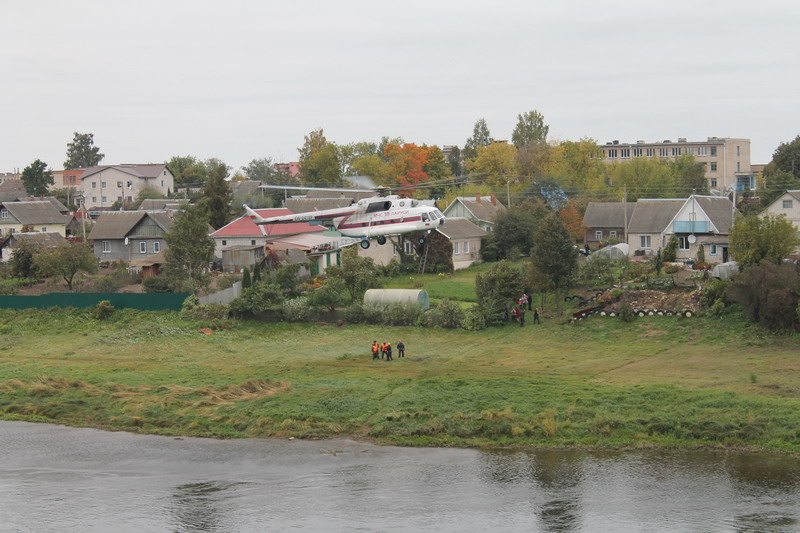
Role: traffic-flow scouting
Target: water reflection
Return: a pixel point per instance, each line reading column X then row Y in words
column 64, row 479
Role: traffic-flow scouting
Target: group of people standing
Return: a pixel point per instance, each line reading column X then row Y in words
column 384, row 350
column 518, row 311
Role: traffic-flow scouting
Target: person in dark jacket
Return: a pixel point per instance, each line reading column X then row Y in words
column 388, row 351
column 401, row 349
column 536, row 316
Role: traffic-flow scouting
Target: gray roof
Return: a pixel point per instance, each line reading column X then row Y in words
column 118, row 224
column 12, row 185
column 245, row 188
column 158, row 204
column 652, row 216
column 139, row 171
column 45, row 240
column 460, row 228
column 35, row 212
column 482, row 208
column 304, row 205
column 719, row 211
column 607, row 214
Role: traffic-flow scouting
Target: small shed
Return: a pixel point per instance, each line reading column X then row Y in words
column 384, row 297
column 617, row 251
column 725, row 270
column 235, row 258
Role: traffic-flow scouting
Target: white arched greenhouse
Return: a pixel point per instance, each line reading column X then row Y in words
column 384, row 297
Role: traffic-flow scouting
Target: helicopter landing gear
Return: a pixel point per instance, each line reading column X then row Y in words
column 381, row 240
column 365, row 244
column 421, row 240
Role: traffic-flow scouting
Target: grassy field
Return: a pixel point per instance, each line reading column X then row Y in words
column 601, row 383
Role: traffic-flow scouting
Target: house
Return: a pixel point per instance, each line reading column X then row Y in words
column 235, row 258
column 26, row 216
column 149, row 266
column 129, row 235
column 321, row 249
column 788, row 205
column 726, row 161
column 605, row 221
column 163, row 204
column 466, row 240
column 480, row 211
column 42, row 240
column 66, row 179
column 244, row 232
column 695, row 221
column 105, row 185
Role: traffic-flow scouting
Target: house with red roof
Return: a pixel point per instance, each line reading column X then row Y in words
column 244, row 232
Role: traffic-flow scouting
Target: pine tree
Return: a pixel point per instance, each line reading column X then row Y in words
column 82, row 153
column 217, row 195
column 554, row 253
column 246, row 282
column 189, row 250
column 256, row 273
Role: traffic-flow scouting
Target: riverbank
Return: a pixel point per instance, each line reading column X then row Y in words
column 601, row 383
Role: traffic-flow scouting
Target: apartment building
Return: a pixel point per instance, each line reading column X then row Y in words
column 104, row 185
column 726, row 160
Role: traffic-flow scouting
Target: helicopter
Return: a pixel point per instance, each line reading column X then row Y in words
column 375, row 217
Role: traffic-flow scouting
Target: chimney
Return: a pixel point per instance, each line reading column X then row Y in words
column 478, row 197
column 494, row 199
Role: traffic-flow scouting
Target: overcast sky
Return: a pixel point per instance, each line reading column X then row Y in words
column 240, row 80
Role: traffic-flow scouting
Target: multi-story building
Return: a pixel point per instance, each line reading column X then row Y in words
column 104, row 185
column 726, row 160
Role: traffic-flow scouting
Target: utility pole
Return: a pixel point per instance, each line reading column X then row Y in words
column 508, row 193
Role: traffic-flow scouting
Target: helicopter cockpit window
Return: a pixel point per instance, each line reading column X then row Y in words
column 374, row 207
column 424, row 217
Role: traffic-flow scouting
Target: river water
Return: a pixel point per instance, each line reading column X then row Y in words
column 55, row 478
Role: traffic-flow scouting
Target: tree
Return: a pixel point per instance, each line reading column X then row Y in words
column 406, row 164
column 264, row 170
column 82, row 153
column 374, row 166
column 573, row 221
column 537, row 159
column 188, row 171
column 351, row 152
column 643, row 177
column 497, row 289
column 21, row 261
column 514, row 230
column 690, row 176
column 786, row 158
column 247, row 281
column 768, row 293
column 480, row 137
column 776, row 184
column 579, row 167
column 319, row 161
column 217, row 194
column 530, row 129
column 36, row 178
column 496, row 162
column 769, row 238
column 189, row 250
column 454, row 160
column 356, row 273
column 554, row 254
column 66, row 260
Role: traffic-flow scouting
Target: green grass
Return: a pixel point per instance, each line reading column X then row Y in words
column 659, row 381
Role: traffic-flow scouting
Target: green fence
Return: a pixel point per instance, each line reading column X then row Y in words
column 145, row 302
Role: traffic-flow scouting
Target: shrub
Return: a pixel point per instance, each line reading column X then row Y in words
column 190, row 303
column 213, row 312
column 327, row 297
column 355, row 313
column 107, row 284
column 296, row 310
column 226, row 282
column 400, row 314
column 103, row 310
column 473, row 319
column 445, row 314
column 256, row 299
column 626, row 312
column 768, row 294
column 672, row 269
column 156, row 285
column 717, row 309
column 715, row 291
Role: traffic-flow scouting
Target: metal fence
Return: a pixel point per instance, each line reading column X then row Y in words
column 145, row 302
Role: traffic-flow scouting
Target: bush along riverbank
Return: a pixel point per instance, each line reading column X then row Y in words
column 657, row 381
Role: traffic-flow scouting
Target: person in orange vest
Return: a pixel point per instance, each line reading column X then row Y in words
column 375, row 350
column 383, row 350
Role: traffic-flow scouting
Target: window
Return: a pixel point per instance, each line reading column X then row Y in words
column 224, row 242
column 142, row 247
column 713, row 166
column 456, row 249
column 712, row 249
column 625, row 152
column 44, row 229
column 683, row 243
column 119, row 199
column 156, row 247
column 676, row 151
column 407, row 247
column 4, row 213
column 102, row 184
column 738, row 151
column 252, row 242
column 119, row 185
column 650, row 152
column 702, row 150
column 738, row 166
column 94, row 199
column 786, row 204
column 688, row 150
column 104, row 199
column 598, row 235
column 713, row 182
column 713, row 150
column 466, row 247
column 612, row 234
column 637, row 152
column 106, row 247
column 612, row 153
column 663, row 152
column 94, row 185
column 129, row 199
column 644, row 241
column 130, row 184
